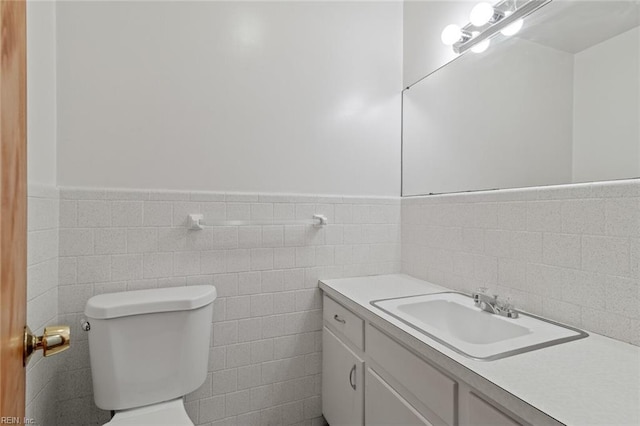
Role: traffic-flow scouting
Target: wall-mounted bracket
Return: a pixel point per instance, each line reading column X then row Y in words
column 194, row 222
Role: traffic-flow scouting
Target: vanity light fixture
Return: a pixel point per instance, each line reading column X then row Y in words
column 513, row 28
column 483, row 13
column 453, row 33
column 505, row 17
column 482, row 46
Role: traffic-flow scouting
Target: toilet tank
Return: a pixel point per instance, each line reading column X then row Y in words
column 149, row 346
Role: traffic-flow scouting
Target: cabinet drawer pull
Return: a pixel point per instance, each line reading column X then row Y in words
column 352, row 377
column 340, row 320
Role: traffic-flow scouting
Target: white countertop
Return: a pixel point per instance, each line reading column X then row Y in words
column 591, row 381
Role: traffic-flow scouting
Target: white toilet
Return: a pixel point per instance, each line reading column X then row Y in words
column 148, row 349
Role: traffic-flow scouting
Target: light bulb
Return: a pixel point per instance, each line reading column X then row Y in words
column 481, row 14
column 482, row 46
column 513, row 28
column 451, row 34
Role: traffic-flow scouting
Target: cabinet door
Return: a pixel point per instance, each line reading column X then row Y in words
column 342, row 382
column 418, row 379
column 384, row 406
column 481, row 413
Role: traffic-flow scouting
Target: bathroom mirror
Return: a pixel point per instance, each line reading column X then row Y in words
column 557, row 103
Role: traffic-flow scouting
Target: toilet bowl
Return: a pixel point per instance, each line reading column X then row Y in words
column 148, row 349
column 170, row 413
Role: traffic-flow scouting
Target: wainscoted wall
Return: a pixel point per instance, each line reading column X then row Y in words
column 570, row 253
column 265, row 356
column 42, row 297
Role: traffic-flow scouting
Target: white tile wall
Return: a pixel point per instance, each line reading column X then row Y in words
column 42, row 296
column 265, row 356
column 570, row 253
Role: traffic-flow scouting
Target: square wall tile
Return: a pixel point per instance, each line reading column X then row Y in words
column 93, row 214
column 157, row 265
column 157, row 213
column 609, row 255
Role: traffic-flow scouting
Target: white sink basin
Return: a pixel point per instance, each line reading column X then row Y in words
column 452, row 320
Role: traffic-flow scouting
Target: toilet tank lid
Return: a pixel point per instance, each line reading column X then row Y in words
column 122, row 304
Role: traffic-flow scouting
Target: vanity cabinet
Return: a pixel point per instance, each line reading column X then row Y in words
column 434, row 393
column 342, row 382
column 480, row 412
column 368, row 378
column 384, row 406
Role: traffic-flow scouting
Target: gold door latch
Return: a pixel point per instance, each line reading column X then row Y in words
column 55, row 339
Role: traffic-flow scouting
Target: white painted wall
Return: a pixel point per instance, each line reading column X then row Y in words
column 606, row 109
column 237, row 96
column 502, row 119
column 41, row 92
column 423, row 23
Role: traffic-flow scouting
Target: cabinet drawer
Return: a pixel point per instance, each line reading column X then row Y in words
column 384, row 406
column 344, row 321
column 428, row 385
column 482, row 413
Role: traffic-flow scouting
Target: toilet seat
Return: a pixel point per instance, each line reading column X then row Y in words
column 166, row 413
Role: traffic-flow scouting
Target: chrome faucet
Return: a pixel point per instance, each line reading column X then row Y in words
column 492, row 305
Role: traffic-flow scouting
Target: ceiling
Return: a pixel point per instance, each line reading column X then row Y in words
column 575, row 25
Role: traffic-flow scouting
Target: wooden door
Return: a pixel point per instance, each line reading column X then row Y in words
column 13, row 205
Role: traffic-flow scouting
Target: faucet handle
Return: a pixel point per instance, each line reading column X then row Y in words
column 506, row 308
column 479, row 294
column 479, row 291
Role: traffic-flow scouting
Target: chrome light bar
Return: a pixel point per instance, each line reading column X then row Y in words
column 465, row 44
